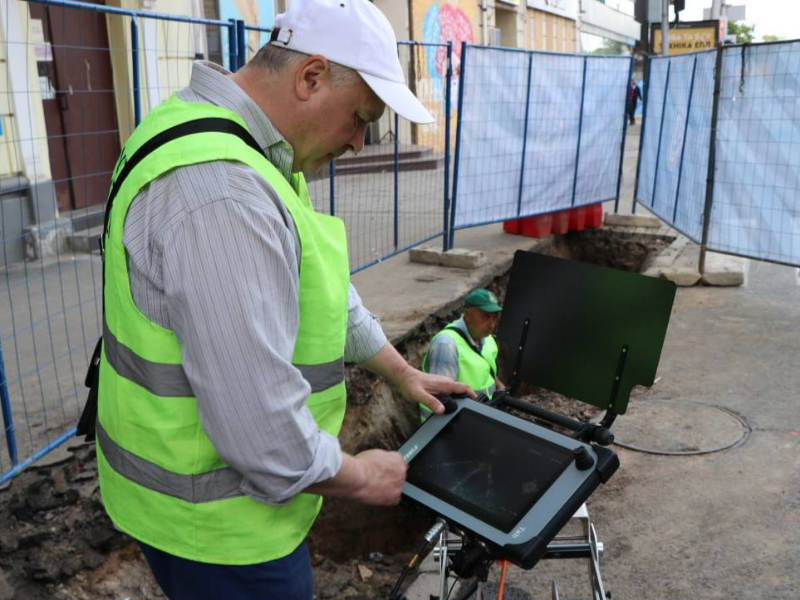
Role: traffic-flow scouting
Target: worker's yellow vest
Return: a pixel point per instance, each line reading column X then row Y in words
column 162, row 481
column 477, row 369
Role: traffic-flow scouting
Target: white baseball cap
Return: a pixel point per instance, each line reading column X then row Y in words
column 355, row 34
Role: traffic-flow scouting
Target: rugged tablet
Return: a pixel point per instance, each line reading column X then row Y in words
column 504, row 480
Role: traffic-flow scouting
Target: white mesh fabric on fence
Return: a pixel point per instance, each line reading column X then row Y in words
column 756, row 202
column 492, row 121
column 674, row 156
column 605, row 95
column 553, row 123
column 568, row 142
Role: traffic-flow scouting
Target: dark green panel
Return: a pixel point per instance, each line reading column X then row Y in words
column 581, row 317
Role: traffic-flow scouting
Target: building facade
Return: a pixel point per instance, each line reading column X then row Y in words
column 608, row 26
column 67, row 103
column 553, row 25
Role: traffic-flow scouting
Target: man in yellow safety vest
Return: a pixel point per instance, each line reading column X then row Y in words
column 229, row 314
column 465, row 350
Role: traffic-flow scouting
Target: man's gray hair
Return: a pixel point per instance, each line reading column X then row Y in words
column 276, row 59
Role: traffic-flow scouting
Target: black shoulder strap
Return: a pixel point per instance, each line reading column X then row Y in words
column 474, row 348
column 205, row 125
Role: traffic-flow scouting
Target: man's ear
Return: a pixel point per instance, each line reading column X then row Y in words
column 310, row 75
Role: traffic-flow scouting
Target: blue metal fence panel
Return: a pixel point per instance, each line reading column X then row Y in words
column 687, row 214
column 567, row 118
column 603, row 128
column 756, row 200
column 673, row 130
column 755, row 195
column 492, row 121
column 391, row 196
column 649, row 148
column 673, row 162
column 553, row 131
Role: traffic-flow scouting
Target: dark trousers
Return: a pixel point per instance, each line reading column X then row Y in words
column 288, row 578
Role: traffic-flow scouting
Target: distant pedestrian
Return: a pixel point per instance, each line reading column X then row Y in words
column 634, row 95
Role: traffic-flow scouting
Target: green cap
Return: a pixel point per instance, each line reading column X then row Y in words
column 482, row 299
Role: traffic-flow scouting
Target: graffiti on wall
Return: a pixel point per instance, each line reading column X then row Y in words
column 444, row 23
column 438, row 22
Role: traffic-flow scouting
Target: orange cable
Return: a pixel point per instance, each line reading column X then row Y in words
column 504, row 564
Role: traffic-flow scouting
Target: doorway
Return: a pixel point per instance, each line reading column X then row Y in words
column 77, row 88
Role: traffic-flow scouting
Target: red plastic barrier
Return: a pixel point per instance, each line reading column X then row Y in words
column 594, row 215
column 577, row 219
column 513, row 226
column 538, row 227
column 561, row 222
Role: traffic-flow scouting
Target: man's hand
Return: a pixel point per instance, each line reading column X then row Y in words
column 384, row 476
column 373, row 477
column 416, row 386
column 423, row 387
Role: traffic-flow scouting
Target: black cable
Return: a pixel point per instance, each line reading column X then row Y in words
column 450, row 591
column 468, row 591
column 429, row 537
column 395, row 593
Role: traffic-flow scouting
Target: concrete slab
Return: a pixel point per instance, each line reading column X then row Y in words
column 680, row 262
column 724, row 270
column 457, row 258
column 47, row 240
column 620, row 220
column 681, row 276
column 667, row 257
column 87, row 240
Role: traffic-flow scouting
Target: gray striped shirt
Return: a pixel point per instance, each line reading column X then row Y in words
column 213, row 256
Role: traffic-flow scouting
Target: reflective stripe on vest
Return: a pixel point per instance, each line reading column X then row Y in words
column 161, row 479
column 204, row 487
column 170, row 380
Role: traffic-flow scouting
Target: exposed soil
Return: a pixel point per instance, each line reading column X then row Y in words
column 627, row 251
column 57, row 543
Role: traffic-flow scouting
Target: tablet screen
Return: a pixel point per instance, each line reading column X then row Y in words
column 490, row 470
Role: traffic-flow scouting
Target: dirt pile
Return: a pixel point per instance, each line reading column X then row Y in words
column 54, row 527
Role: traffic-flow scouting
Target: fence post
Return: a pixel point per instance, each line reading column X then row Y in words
column 624, row 135
column 233, row 46
column 454, row 203
column 580, row 132
column 661, row 134
column 137, row 101
column 241, row 40
column 397, row 177
column 683, row 148
column 525, row 134
column 448, row 80
column 647, row 66
column 8, row 418
column 712, row 154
